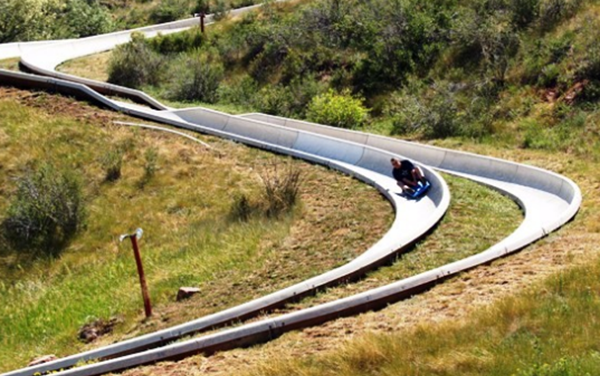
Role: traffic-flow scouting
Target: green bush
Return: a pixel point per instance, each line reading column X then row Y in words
column 589, row 68
column 399, row 37
column 524, row 12
column 549, row 76
column 83, row 18
column 287, row 100
column 339, row 110
column 490, row 39
column 184, row 41
column 430, row 111
column 21, row 20
column 27, row 20
column 544, row 53
column 202, row 6
column 300, row 92
column 135, row 64
column 241, row 91
column 219, row 10
column 272, row 99
column 46, row 211
column 552, row 12
column 197, row 78
column 169, row 10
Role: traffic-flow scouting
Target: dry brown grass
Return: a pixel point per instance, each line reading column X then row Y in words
column 10, row 64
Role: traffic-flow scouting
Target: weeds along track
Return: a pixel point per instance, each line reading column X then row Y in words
column 548, row 200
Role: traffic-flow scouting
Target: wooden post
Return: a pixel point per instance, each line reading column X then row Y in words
column 140, row 268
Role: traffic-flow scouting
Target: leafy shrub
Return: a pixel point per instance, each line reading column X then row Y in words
column 219, row 10
column 400, row 37
column 241, row 91
column 46, row 211
column 135, row 64
column 490, row 38
column 20, row 21
column 589, row 68
column 83, row 18
column 300, row 92
column 272, row 99
column 202, row 6
column 550, row 51
column 549, row 76
column 242, row 3
column 287, row 100
column 431, row 112
column 197, row 78
column 26, row 20
column 169, row 10
column 551, row 12
column 339, row 110
column 111, row 162
column 184, row 41
column 524, row 12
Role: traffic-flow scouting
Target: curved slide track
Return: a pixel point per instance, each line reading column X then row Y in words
column 548, row 200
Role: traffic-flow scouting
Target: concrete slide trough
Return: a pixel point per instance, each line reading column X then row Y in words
column 548, row 200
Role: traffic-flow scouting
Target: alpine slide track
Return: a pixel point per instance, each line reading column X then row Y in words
column 548, row 201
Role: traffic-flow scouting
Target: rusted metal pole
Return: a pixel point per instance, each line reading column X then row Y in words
column 202, row 15
column 140, row 268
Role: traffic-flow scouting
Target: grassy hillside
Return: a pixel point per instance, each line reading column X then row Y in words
column 513, row 79
column 190, row 236
column 516, row 79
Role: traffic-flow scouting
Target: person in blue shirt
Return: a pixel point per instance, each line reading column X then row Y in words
column 407, row 175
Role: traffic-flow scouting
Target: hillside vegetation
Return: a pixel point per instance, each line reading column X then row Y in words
column 516, row 79
column 31, row 20
column 526, row 72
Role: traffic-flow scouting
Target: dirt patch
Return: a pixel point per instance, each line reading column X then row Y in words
column 97, row 328
column 60, row 105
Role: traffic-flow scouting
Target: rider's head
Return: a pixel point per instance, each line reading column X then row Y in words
column 395, row 162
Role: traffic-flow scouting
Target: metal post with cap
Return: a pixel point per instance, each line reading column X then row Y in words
column 138, row 260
